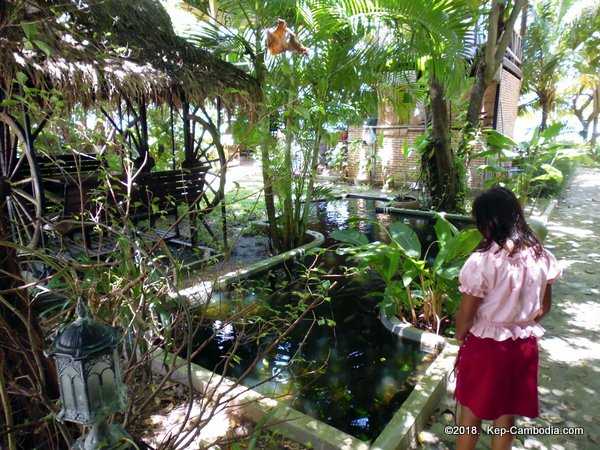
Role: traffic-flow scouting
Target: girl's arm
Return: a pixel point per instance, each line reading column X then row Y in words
column 546, row 303
column 466, row 315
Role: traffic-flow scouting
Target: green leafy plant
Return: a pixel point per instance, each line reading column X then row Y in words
column 417, row 289
column 534, row 168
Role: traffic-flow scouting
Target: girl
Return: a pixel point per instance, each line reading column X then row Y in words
column 506, row 287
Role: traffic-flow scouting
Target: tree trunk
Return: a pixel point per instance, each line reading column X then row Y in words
column 547, row 101
column 545, row 114
column 591, row 120
column 438, row 160
column 523, row 29
column 593, row 117
column 476, row 99
column 274, row 234
column 490, row 60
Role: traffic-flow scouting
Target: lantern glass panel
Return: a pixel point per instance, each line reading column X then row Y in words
column 102, row 383
column 69, row 378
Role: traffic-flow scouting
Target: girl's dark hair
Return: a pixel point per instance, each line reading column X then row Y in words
column 499, row 218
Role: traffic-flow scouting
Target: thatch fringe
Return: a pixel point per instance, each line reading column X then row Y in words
column 104, row 49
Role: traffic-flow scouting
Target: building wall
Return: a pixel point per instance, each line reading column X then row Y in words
column 508, row 105
column 396, row 161
column 390, row 163
column 392, row 167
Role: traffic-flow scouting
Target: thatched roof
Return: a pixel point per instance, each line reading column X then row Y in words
column 94, row 50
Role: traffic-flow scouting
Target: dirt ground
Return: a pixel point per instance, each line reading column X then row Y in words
column 570, row 350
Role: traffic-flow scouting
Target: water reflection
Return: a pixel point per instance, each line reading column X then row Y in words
column 338, row 214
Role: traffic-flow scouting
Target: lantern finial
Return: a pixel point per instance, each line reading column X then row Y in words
column 82, row 309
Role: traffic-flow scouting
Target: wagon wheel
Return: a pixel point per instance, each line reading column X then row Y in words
column 22, row 187
column 211, row 155
column 214, row 157
column 207, row 153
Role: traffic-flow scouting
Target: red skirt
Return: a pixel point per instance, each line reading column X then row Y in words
column 497, row 378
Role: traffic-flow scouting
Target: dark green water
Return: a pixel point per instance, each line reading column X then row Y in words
column 351, row 373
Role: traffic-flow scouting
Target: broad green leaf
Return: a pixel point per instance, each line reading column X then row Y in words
column 303, row 111
column 406, row 150
column 350, row 237
column 21, row 78
column 552, row 131
column 500, row 140
column 453, row 297
column 451, row 271
column 387, row 307
column 410, row 274
column 30, row 29
column 444, row 231
column 8, row 102
column 406, row 239
column 410, row 264
column 489, row 168
column 552, row 173
column 390, row 265
column 459, row 246
column 484, row 153
column 43, row 47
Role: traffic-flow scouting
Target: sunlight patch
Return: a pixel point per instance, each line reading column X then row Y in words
column 575, row 350
column 580, row 313
column 167, row 426
column 560, row 230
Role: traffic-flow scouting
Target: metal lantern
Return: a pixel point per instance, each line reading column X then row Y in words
column 89, row 375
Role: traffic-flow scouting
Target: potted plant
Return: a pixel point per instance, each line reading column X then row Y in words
column 405, row 201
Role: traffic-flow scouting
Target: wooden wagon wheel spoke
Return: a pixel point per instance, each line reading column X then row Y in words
column 15, row 169
column 26, row 196
column 22, row 182
column 211, row 155
column 20, row 218
column 19, row 174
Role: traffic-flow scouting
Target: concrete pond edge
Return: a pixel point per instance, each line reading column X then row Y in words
column 400, row 433
column 202, row 290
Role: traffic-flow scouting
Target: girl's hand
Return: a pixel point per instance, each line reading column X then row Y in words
column 546, row 303
column 465, row 316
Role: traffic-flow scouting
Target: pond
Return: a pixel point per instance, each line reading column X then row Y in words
column 328, row 216
column 341, row 366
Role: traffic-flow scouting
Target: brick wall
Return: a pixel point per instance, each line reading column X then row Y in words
column 390, row 164
column 510, row 87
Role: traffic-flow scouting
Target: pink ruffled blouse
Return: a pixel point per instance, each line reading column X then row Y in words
column 511, row 288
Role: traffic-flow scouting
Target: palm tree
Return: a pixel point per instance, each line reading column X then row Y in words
column 442, row 59
column 303, row 96
column 547, row 48
column 356, row 47
column 582, row 96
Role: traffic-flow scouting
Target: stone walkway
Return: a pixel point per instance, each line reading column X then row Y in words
column 570, row 350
